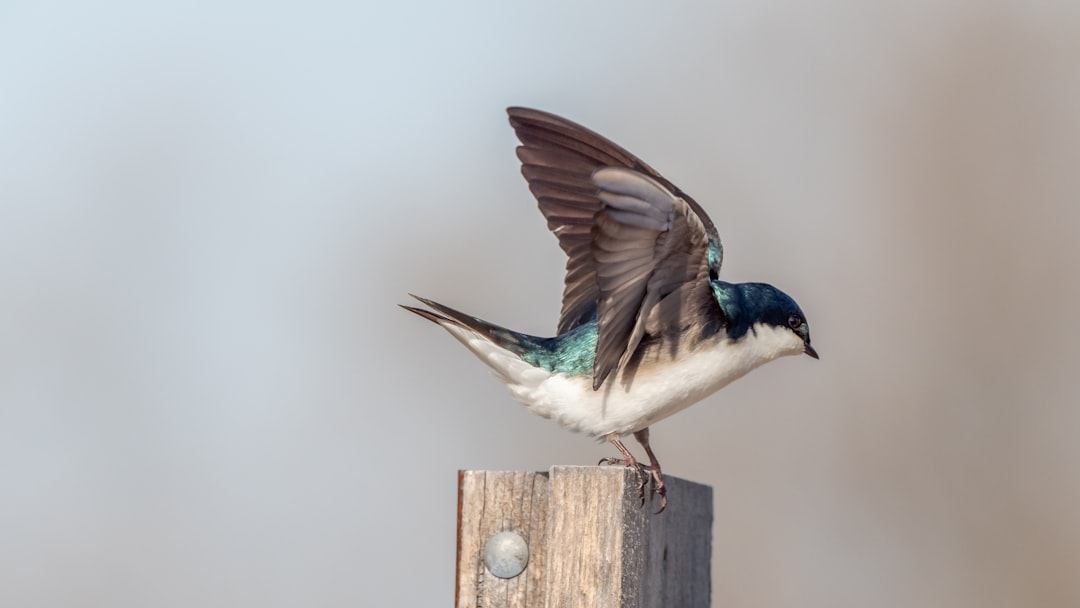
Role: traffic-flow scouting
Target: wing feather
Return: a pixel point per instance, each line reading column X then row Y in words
column 633, row 240
column 647, row 245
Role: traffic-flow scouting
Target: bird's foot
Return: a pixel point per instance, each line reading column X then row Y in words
column 648, row 475
column 631, row 463
column 657, row 475
column 657, row 487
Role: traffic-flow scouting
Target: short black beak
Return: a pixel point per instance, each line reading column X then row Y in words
column 810, row 351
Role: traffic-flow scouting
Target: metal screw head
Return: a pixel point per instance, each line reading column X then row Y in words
column 506, row 554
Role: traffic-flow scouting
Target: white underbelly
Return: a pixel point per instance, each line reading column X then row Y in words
column 654, row 393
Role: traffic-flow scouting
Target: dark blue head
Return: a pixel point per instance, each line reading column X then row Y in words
column 748, row 304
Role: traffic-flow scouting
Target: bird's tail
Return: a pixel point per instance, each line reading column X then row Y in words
column 499, row 348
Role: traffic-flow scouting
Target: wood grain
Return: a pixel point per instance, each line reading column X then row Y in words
column 498, row 501
column 591, row 543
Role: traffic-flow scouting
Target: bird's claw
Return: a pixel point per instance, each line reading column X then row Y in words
column 648, row 476
column 658, row 487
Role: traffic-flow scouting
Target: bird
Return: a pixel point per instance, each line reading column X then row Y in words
column 647, row 327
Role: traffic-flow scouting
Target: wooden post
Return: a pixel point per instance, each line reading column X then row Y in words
column 590, row 543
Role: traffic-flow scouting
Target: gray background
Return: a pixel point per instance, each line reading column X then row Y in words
column 209, row 211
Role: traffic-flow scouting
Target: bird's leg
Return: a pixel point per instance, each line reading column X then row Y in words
column 654, row 469
column 629, row 461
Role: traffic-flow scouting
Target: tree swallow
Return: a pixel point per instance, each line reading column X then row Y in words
column 647, row 326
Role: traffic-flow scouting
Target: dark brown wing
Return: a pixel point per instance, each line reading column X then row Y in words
column 558, row 158
column 649, row 247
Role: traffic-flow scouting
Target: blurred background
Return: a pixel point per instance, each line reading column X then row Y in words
column 209, row 212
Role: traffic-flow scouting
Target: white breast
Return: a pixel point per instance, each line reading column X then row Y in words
column 655, row 392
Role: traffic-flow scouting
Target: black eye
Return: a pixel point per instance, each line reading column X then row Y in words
column 794, row 321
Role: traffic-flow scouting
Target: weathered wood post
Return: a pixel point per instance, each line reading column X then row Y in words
column 588, row 541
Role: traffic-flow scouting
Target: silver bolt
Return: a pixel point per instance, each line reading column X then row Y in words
column 506, row 554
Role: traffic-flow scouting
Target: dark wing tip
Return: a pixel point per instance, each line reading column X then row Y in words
column 523, row 112
column 599, row 377
column 519, row 116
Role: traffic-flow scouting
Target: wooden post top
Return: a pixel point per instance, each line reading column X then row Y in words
column 582, row 538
